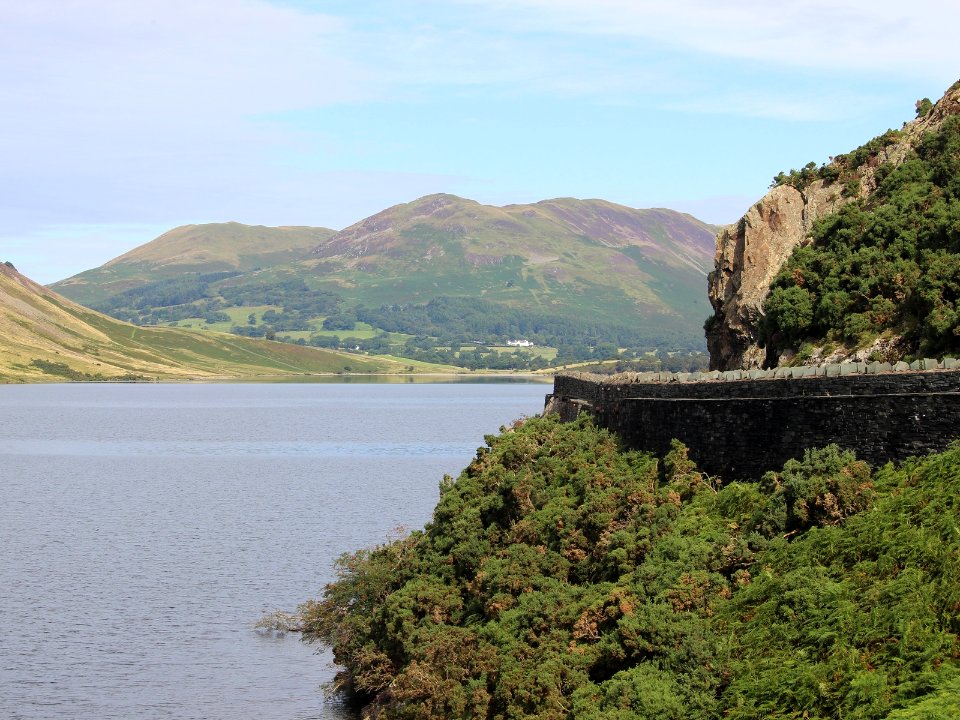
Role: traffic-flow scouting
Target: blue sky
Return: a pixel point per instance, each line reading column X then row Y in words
column 123, row 119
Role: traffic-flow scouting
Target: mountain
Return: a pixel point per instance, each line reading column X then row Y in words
column 211, row 248
column 858, row 258
column 44, row 336
column 488, row 234
column 576, row 273
column 571, row 256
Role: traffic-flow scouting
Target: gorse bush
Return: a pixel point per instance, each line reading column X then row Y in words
column 564, row 577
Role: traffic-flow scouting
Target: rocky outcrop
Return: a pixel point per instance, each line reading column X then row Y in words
column 749, row 255
column 751, row 252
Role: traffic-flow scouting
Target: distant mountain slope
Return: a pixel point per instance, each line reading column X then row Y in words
column 519, row 252
column 210, row 248
column 488, row 233
column 44, row 336
column 567, row 273
column 586, row 260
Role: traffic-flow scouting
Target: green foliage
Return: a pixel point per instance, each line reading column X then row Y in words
column 790, row 311
column 803, row 177
column 924, row 106
column 866, row 153
column 652, row 362
column 825, row 487
column 563, row 577
column 470, row 319
column 443, row 324
column 858, row 619
column 841, row 167
column 888, row 263
column 943, row 703
column 339, row 321
column 206, row 295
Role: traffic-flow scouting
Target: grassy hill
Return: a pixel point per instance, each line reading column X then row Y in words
column 570, row 256
column 210, row 248
column 44, row 336
column 567, row 275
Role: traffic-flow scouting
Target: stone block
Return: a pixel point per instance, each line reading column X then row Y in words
column 848, row 368
column 950, row 363
column 683, row 377
column 811, row 370
column 901, row 367
column 756, row 374
column 929, row 364
column 833, row 370
column 712, row 375
column 915, row 365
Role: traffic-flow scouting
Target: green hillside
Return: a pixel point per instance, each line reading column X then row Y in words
column 578, row 279
column 567, row 579
column 569, row 256
column 212, row 248
column 887, row 265
column 44, row 336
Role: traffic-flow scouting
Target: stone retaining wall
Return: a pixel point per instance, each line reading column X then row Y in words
column 739, row 428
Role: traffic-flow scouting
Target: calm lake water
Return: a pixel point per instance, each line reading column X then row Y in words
column 145, row 528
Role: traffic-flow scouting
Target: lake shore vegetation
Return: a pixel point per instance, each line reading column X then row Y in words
column 563, row 577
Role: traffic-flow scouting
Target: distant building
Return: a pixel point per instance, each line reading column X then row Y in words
column 519, row 343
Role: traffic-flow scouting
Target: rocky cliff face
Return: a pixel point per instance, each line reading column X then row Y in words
column 749, row 255
column 751, row 252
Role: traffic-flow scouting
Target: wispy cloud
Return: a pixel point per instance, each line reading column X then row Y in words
column 772, row 104
column 915, row 38
column 161, row 112
column 183, row 59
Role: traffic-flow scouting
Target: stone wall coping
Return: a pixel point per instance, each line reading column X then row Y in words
column 780, row 373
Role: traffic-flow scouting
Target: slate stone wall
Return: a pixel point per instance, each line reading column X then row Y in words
column 743, row 428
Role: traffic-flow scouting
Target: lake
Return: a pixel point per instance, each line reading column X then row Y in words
column 144, row 529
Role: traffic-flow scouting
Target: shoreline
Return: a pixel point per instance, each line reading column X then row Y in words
column 308, row 378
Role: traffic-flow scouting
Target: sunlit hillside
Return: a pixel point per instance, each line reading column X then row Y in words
column 44, row 336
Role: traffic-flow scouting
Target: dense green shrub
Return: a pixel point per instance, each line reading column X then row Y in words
column 887, row 263
column 563, row 577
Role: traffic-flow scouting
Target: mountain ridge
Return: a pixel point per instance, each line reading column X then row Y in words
column 561, row 262
column 216, row 247
column 600, row 221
